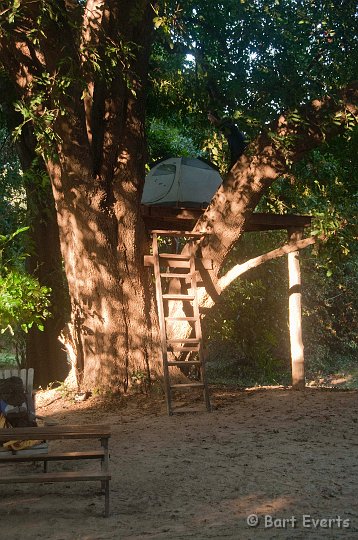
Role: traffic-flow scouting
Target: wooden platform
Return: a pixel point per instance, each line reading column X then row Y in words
column 169, row 217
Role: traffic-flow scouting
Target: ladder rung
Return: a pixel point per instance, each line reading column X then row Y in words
column 185, row 363
column 179, row 233
column 184, row 263
column 178, row 297
column 176, row 256
column 182, row 319
column 189, row 340
column 187, row 385
column 192, row 348
column 180, row 276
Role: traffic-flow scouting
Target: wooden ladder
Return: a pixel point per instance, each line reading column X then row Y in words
column 174, row 261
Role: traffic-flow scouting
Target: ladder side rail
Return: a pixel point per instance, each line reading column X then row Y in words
column 162, row 327
column 198, row 332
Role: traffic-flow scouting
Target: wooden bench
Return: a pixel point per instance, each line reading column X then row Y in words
column 101, row 432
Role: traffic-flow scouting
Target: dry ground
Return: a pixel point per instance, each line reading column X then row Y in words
column 271, row 452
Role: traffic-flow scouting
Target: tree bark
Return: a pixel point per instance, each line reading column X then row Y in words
column 103, row 241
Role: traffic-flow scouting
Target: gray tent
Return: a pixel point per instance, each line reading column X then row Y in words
column 181, row 182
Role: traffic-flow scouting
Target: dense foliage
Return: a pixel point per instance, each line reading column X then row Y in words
column 23, row 302
column 250, row 59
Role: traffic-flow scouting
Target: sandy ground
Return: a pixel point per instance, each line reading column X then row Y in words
column 274, row 453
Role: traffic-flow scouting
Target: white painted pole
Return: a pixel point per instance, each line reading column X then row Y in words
column 295, row 314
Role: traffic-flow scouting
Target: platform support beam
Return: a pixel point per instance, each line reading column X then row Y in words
column 295, row 314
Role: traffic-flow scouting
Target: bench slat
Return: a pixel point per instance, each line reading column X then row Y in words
column 55, row 432
column 70, row 476
column 53, row 456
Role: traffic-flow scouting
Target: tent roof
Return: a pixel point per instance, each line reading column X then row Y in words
column 189, row 182
column 186, row 160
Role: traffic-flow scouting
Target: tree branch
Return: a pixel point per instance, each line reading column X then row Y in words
column 269, row 156
column 240, row 269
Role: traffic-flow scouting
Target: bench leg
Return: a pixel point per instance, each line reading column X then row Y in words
column 106, row 499
column 103, row 482
column 105, row 468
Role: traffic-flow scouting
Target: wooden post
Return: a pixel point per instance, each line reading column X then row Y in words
column 295, row 315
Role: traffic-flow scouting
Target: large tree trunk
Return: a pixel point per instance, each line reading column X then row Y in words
column 96, row 165
column 97, row 186
column 113, row 312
